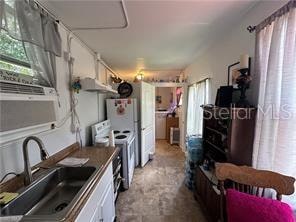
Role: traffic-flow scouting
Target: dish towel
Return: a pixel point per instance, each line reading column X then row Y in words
column 73, row 162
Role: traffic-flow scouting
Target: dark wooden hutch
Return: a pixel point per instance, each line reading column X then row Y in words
column 228, row 136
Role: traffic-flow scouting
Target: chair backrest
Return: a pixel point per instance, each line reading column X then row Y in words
column 249, row 180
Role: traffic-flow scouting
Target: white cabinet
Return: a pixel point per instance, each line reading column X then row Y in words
column 160, row 123
column 95, row 217
column 100, row 206
column 106, row 207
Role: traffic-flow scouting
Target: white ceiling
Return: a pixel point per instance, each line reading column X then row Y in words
column 162, row 35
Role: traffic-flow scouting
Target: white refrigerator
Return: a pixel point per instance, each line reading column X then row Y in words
column 123, row 115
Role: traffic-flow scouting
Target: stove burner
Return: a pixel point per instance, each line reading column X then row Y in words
column 116, row 131
column 120, row 137
column 126, row 131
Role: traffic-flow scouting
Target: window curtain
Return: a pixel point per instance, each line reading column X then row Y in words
column 197, row 96
column 179, row 96
column 275, row 135
column 27, row 22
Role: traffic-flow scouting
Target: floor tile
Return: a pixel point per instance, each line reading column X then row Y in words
column 158, row 193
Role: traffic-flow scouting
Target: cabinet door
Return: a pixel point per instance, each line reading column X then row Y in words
column 95, row 217
column 107, row 209
column 91, row 210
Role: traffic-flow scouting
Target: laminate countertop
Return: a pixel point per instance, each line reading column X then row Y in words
column 99, row 157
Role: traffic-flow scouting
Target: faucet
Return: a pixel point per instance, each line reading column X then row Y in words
column 27, row 167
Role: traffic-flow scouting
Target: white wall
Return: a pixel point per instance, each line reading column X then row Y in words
column 227, row 49
column 90, row 110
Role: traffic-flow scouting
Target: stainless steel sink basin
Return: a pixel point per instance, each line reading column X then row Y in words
column 51, row 196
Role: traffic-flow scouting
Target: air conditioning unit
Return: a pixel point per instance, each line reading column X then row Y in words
column 25, row 110
column 174, row 135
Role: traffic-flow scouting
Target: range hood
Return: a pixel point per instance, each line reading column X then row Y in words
column 94, row 85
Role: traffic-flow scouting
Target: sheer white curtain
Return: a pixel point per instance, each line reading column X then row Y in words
column 197, row 96
column 275, row 138
column 27, row 22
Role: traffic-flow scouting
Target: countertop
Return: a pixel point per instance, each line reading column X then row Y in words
column 97, row 157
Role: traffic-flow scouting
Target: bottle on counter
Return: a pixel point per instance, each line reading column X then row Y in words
column 111, row 138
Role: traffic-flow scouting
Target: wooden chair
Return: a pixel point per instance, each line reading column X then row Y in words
column 249, row 180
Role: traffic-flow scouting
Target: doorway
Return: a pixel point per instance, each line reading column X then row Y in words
column 170, row 113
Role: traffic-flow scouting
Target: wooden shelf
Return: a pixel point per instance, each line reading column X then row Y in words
column 239, row 133
column 169, row 84
column 216, row 147
column 216, row 131
column 234, row 139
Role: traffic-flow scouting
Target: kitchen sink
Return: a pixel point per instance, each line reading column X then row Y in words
column 51, row 196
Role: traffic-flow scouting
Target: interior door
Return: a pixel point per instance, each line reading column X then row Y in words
column 147, row 121
column 183, row 118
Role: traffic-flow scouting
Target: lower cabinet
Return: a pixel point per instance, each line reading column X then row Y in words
column 100, row 206
column 208, row 193
column 106, row 211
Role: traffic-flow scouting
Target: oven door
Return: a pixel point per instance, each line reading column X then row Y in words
column 131, row 160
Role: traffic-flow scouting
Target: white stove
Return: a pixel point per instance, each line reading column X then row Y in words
column 123, row 135
column 125, row 140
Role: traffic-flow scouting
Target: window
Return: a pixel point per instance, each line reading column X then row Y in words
column 198, row 94
column 12, row 55
column 29, row 43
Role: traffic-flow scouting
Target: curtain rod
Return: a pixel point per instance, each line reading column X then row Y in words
column 46, row 11
column 291, row 4
column 86, row 46
column 199, row 81
column 72, row 33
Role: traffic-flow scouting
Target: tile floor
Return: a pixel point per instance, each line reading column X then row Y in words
column 158, row 193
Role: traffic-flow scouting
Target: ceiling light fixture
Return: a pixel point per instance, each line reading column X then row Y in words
column 139, row 77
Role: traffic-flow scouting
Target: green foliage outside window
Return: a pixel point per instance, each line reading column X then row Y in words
column 11, row 47
column 16, row 68
column 14, row 49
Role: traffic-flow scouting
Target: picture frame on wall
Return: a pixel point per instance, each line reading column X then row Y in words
column 158, row 99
